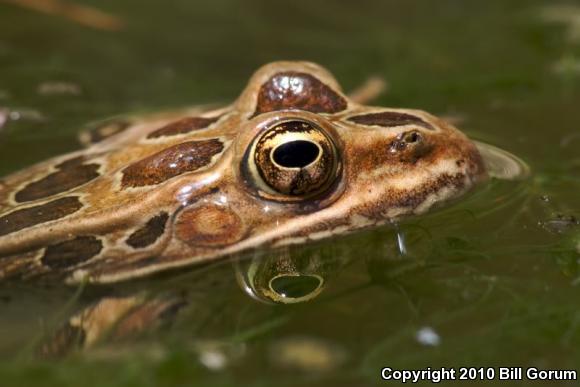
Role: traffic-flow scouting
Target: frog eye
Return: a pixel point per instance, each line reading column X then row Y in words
column 295, row 158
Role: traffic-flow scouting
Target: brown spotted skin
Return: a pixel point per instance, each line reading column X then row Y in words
column 25, row 218
column 298, row 91
column 149, row 233
column 173, row 161
column 70, row 253
column 179, row 188
column 68, row 175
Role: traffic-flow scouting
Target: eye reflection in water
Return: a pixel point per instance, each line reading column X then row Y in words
column 286, row 276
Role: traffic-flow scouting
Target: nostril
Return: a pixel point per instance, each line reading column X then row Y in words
column 412, row 137
column 410, row 145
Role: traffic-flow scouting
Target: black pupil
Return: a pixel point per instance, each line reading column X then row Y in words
column 296, row 154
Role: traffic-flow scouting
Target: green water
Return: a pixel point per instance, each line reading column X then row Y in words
column 493, row 279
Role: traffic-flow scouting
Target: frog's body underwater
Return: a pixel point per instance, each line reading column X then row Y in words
column 292, row 160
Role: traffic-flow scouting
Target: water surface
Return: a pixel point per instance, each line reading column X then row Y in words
column 490, row 281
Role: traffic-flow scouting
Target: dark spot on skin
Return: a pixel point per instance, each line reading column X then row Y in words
column 300, row 91
column 185, row 157
column 103, row 130
column 183, row 126
column 148, row 234
column 70, row 174
column 390, row 119
column 32, row 216
column 70, row 253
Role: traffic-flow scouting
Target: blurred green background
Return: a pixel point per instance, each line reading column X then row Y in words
column 492, row 281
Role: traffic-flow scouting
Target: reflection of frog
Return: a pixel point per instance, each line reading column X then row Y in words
column 285, row 277
column 282, row 277
column 291, row 161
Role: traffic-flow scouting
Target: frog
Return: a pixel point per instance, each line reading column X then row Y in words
column 293, row 160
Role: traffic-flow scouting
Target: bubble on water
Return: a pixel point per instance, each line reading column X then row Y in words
column 213, row 359
column 427, row 336
column 216, row 356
